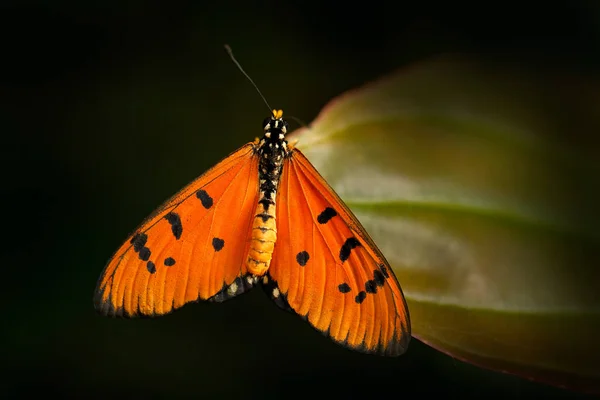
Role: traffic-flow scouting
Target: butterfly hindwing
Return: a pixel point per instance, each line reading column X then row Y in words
column 191, row 248
column 327, row 269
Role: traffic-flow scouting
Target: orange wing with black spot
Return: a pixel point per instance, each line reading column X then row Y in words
column 192, row 248
column 327, row 269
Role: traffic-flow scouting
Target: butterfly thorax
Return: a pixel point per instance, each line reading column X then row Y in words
column 271, row 150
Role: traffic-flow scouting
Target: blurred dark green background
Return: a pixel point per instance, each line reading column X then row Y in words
column 108, row 108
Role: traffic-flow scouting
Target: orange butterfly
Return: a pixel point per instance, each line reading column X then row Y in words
column 262, row 215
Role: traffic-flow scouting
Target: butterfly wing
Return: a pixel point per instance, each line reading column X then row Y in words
column 191, row 248
column 326, row 268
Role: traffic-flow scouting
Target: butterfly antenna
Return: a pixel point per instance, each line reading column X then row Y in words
column 298, row 121
column 230, row 52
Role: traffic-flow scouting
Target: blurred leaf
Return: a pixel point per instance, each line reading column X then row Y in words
column 467, row 177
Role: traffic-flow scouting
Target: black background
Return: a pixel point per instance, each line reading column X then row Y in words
column 108, row 108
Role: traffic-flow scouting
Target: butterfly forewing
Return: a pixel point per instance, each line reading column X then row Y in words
column 193, row 247
column 327, row 269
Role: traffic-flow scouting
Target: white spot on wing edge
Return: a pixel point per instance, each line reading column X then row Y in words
column 276, row 293
column 232, row 289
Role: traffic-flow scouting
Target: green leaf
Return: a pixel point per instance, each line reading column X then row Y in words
column 463, row 175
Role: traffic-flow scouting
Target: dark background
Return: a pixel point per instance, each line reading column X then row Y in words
column 108, row 108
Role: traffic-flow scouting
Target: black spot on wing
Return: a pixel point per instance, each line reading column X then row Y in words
column 218, row 244
column 205, row 199
column 169, row 261
column 384, row 270
column 139, row 246
column 326, row 215
column 344, row 288
column 378, row 277
column 151, row 267
column 371, row 286
column 175, row 222
column 347, row 247
column 138, row 241
column 302, row 258
column 360, row 297
column 144, row 254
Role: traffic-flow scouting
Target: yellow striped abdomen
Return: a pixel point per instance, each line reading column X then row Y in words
column 264, row 236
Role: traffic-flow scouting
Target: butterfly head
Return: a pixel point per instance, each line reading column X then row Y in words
column 275, row 126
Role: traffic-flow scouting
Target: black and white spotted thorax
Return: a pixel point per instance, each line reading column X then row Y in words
column 272, row 150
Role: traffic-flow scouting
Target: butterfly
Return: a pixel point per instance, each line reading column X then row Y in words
column 262, row 216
